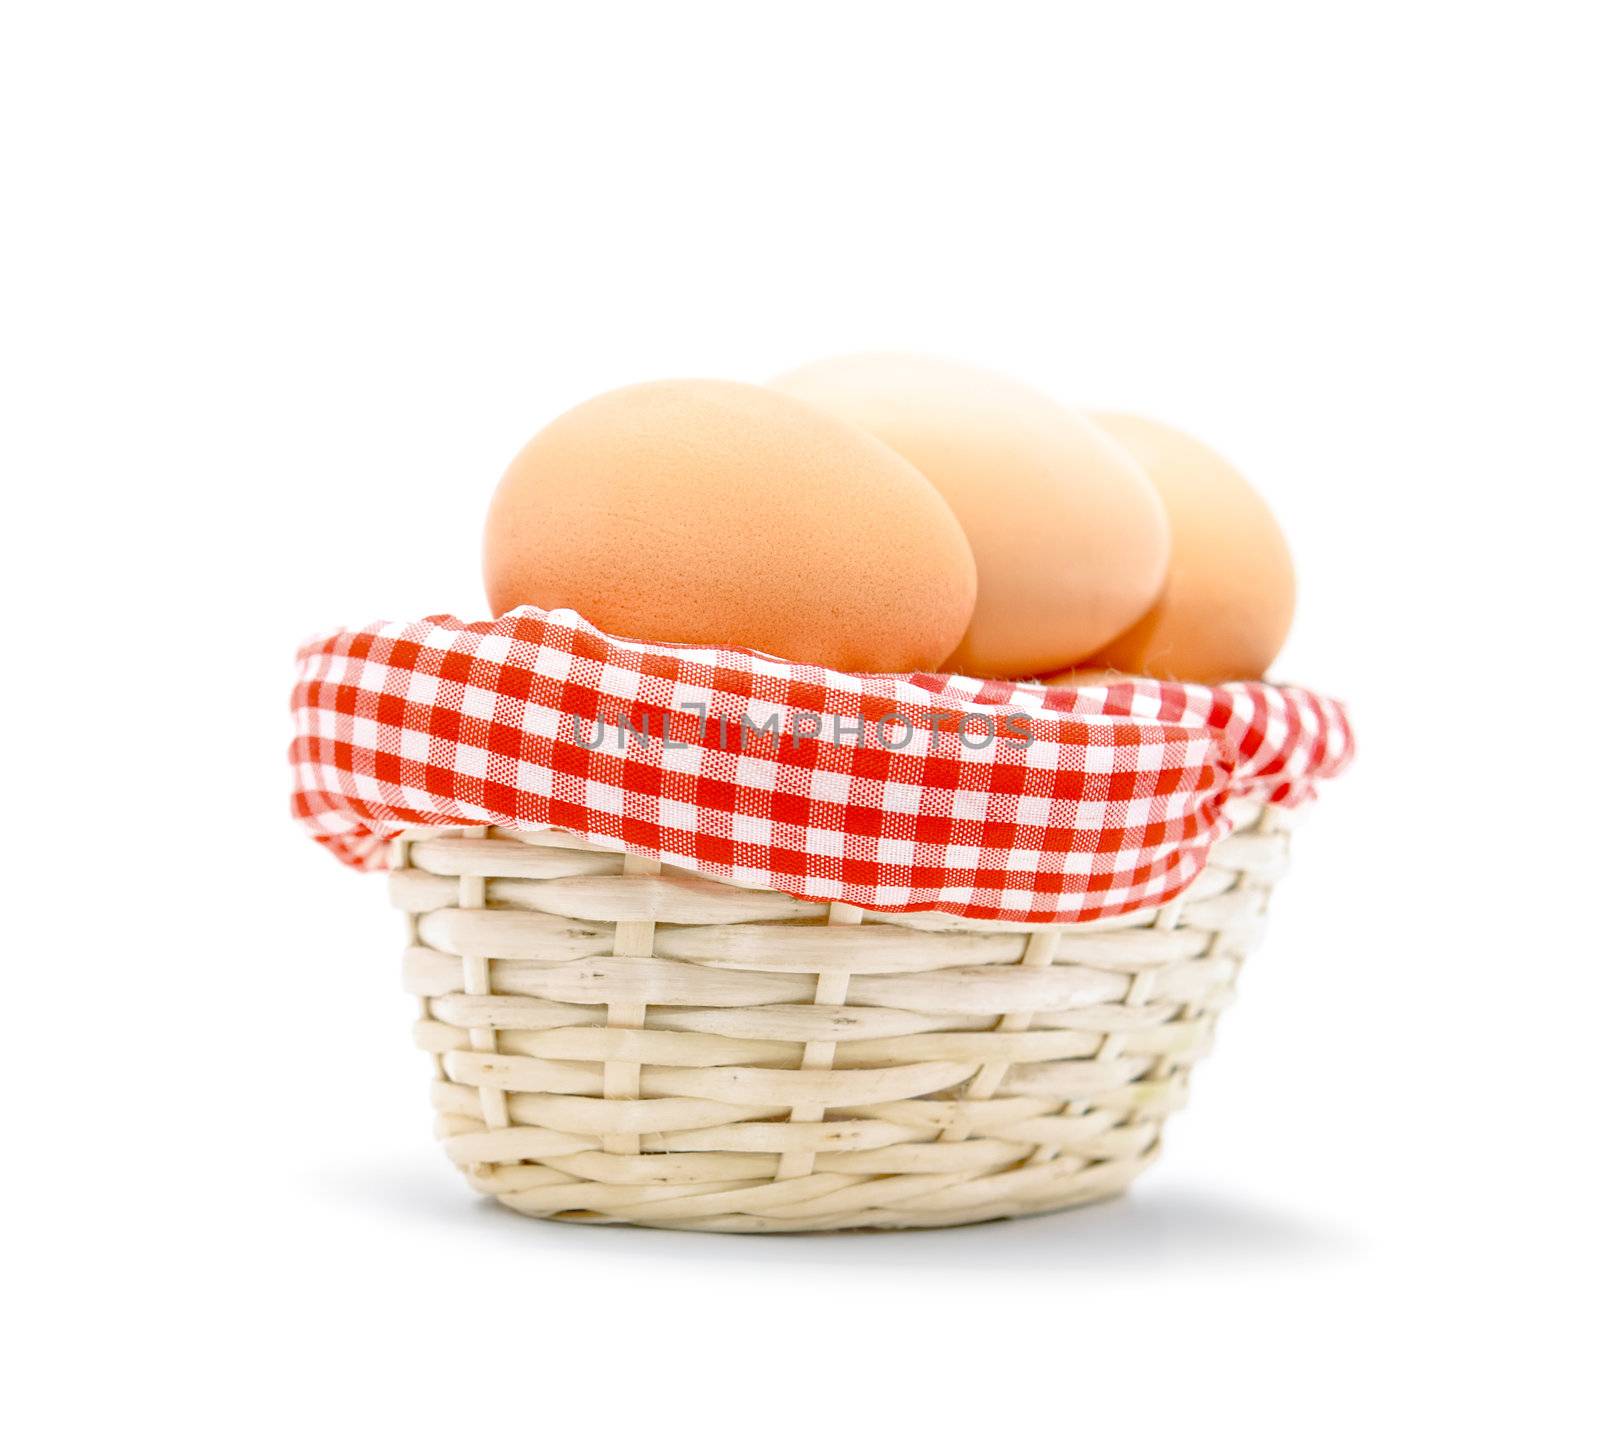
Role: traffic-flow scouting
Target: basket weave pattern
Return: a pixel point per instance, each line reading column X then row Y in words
column 617, row 1042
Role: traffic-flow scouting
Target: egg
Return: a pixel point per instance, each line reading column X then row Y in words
column 1229, row 595
column 711, row 513
column 1069, row 536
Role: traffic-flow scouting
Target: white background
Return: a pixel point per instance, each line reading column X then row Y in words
column 284, row 288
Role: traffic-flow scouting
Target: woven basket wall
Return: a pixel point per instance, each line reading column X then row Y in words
column 617, row 1042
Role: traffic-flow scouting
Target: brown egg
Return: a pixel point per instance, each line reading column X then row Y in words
column 1229, row 597
column 1069, row 536
column 713, row 513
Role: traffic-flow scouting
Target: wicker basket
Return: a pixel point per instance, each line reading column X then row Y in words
column 617, row 1042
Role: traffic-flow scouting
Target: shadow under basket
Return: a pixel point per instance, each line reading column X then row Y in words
column 618, row 1042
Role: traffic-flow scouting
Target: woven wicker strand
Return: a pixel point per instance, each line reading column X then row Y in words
column 618, row 1042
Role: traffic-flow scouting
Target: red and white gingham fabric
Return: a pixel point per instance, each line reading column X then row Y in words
column 1084, row 803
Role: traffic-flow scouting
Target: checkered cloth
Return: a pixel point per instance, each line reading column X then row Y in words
column 986, row 799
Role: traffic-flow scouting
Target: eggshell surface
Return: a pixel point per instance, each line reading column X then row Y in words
column 714, row 513
column 1229, row 597
column 1069, row 536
